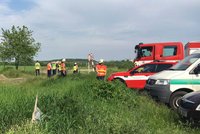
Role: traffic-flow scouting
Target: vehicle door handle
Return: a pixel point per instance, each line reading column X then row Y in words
column 126, row 76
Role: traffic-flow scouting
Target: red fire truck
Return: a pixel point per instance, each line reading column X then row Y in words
column 165, row 51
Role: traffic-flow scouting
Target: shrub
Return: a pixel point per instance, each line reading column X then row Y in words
column 108, row 90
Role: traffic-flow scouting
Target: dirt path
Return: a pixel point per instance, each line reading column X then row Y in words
column 13, row 80
column 2, row 77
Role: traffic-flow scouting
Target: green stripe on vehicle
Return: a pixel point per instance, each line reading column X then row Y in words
column 185, row 81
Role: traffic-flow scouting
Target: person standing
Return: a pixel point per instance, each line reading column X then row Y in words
column 37, row 68
column 49, row 69
column 75, row 68
column 101, row 70
column 59, row 67
column 54, row 68
column 63, row 68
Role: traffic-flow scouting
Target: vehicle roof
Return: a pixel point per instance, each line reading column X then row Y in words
column 193, row 44
column 158, row 43
column 159, row 62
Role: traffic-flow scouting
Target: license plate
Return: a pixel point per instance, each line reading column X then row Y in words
column 183, row 112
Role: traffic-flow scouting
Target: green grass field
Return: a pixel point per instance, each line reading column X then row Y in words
column 81, row 104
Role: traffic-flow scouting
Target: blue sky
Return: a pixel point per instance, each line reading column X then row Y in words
column 19, row 5
column 107, row 28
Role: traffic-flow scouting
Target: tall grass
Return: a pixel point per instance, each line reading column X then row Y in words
column 81, row 104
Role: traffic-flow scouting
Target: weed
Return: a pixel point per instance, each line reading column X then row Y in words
column 81, row 104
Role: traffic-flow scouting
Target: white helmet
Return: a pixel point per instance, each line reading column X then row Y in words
column 63, row 60
column 101, row 61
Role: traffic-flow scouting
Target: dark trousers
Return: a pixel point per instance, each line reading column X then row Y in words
column 54, row 71
column 75, row 71
column 49, row 73
column 59, row 72
column 37, row 72
column 63, row 73
column 100, row 77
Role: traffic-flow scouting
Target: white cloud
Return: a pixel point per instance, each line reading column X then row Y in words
column 108, row 28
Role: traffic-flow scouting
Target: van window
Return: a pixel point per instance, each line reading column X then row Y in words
column 161, row 67
column 170, row 51
column 185, row 63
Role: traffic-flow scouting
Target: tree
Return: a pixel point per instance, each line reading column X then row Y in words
column 18, row 45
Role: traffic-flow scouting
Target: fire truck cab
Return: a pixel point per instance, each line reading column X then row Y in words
column 165, row 51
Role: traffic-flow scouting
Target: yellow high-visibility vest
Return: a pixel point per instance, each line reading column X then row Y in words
column 53, row 66
column 75, row 68
column 37, row 65
column 59, row 67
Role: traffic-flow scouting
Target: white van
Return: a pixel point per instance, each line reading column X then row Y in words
column 170, row 85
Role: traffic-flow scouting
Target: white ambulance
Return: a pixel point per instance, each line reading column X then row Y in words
column 170, row 85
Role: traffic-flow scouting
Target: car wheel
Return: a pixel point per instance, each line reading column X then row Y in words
column 120, row 80
column 175, row 99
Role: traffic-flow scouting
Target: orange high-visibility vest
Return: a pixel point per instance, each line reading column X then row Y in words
column 63, row 66
column 101, row 70
column 49, row 66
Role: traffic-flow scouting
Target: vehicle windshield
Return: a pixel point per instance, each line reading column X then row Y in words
column 144, row 51
column 185, row 63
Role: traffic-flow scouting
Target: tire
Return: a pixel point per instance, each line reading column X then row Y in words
column 120, row 80
column 175, row 98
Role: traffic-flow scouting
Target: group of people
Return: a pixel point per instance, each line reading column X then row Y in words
column 54, row 67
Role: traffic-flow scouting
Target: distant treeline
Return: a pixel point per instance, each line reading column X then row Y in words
column 69, row 62
column 81, row 63
column 120, row 64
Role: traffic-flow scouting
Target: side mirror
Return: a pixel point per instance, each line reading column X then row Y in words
column 197, row 69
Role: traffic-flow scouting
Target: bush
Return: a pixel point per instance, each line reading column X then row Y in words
column 109, row 90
